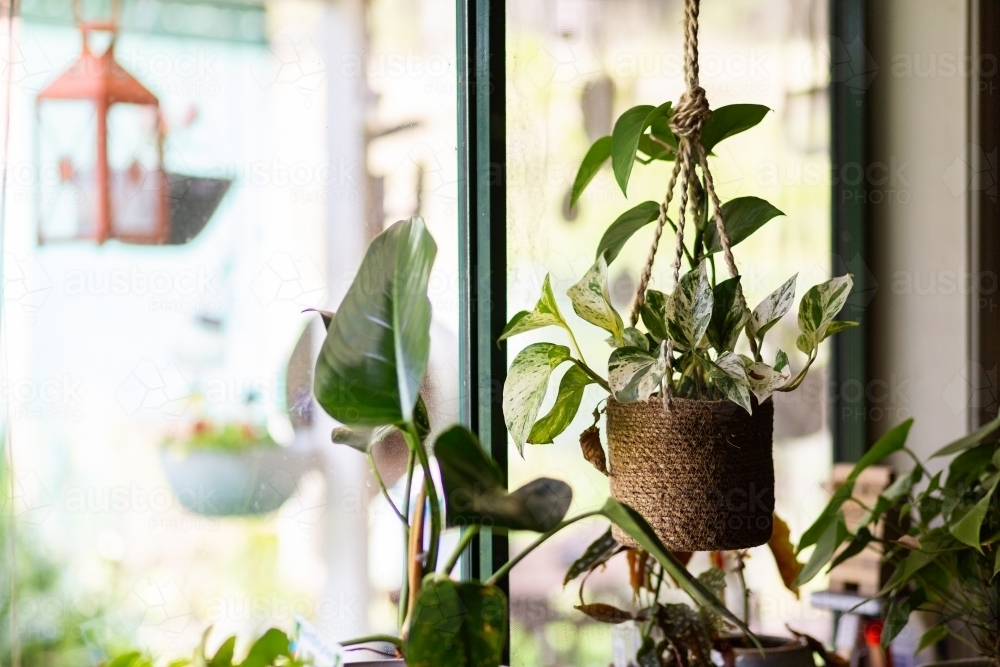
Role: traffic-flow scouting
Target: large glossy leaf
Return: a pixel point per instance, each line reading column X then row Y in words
column 475, row 494
column 654, row 313
column 764, row 380
column 456, row 625
column 545, row 314
column 985, row 433
column 741, row 218
column 596, row 156
column 636, row 527
column 635, row 374
column 625, row 138
column 597, row 554
column 689, row 310
column 373, row 359
column 592, row 302
column 820, row 305
column 526, row 384
column 772, row 308
column 729, row 375
column 567, row 404
column 729, row 316
column 624, row 226
column 730, row 120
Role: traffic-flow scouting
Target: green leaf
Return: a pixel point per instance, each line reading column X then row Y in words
column 996, row 564
column 636, row 527
column 545, row 314
column 828, row 543
column 373, row 359
column 764, row 380
column 596, row 156
column 913, row 563
column 773, row 308
column 267, row 649
column 821, row 304
column 837, row 326
column 829, row 516
column 935, row 634
column 654, row 313
column 689, row 310
column 976, row 437
column 634, row 374
column 624, row 226
column 861, row 540
column 729, row 375
column 730, row 120
column 729, row 316
column 325, row 314
column 597, row 554
column 126, row 659
column 592, row 302
column 741, row 218
column 475, row 493
column 890, row 443
column 898, row 614
column 224, row 656
column 631, row 337
column 456, row 625
column 780, row 361
column 967, row 529
column 571, row 387
column 526, row 384
column 360, row 439
column 625, row 138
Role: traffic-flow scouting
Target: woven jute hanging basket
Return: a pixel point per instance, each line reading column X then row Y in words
column 700, row 472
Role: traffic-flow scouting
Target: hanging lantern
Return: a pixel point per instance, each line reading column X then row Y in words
column 100, row 152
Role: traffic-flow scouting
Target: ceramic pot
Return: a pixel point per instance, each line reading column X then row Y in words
column 778, row 652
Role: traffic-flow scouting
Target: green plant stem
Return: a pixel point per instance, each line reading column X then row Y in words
column 594, row 376
column 506, row 567
column 385, row 491
column 576, row 345
column 432, row 496
column 368, row 639
column 404, row 591
column 794, row 383
column 467, row 537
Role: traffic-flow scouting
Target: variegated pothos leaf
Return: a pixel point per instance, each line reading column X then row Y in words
column 772, row 308
column 592, row 302
column 729, row 316
column 631, row 337
column 765, row 380
column 545, row 314
column 689, row 310
column 634, row 374
column 654, row 313
column 729, row 375
column 526, row 385
column 817, row 309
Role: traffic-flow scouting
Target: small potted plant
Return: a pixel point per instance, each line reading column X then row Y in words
column 231, row 469
column 368, row 377
column 948, row 553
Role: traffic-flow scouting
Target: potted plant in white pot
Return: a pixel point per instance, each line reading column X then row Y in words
column 947, row 557
column 367, row 377
column 688, row 395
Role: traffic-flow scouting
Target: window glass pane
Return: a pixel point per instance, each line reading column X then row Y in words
column 135, row 376
column 573, row 66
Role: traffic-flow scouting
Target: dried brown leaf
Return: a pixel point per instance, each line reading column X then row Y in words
column 784, row 554
column 590, row 443
column 604, row 613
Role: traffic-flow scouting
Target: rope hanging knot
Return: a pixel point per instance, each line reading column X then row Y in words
column 690, row 114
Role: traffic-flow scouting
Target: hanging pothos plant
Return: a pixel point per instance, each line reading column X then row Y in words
column 688, row 344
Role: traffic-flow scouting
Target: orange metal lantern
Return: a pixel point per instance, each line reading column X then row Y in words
column 100, row 152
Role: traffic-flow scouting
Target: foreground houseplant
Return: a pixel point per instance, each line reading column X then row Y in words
column 947, row 556
column 689, row 418
column 367, row 377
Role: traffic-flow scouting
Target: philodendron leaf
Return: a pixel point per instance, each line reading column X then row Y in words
column 730, row 120
column 935, row 634
column 597, row 554
column 456, row 625
column 898, row 613
column 622, row 229
column 596, row 156
column 765, row 380
column 689, row 310
column 526, row 384
column 625, row 138
column 820, row 305
column 475, row 494
column 741, row 217
column 654, row 313
column 636, row 527
column 373, row 359
column 831, row 539
column 592, row 302
column 729, row 316
column 634, row 374
column 967, row 529
column 729, row 375
column 772, row 308
column 545, row 314
column 571, row 387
